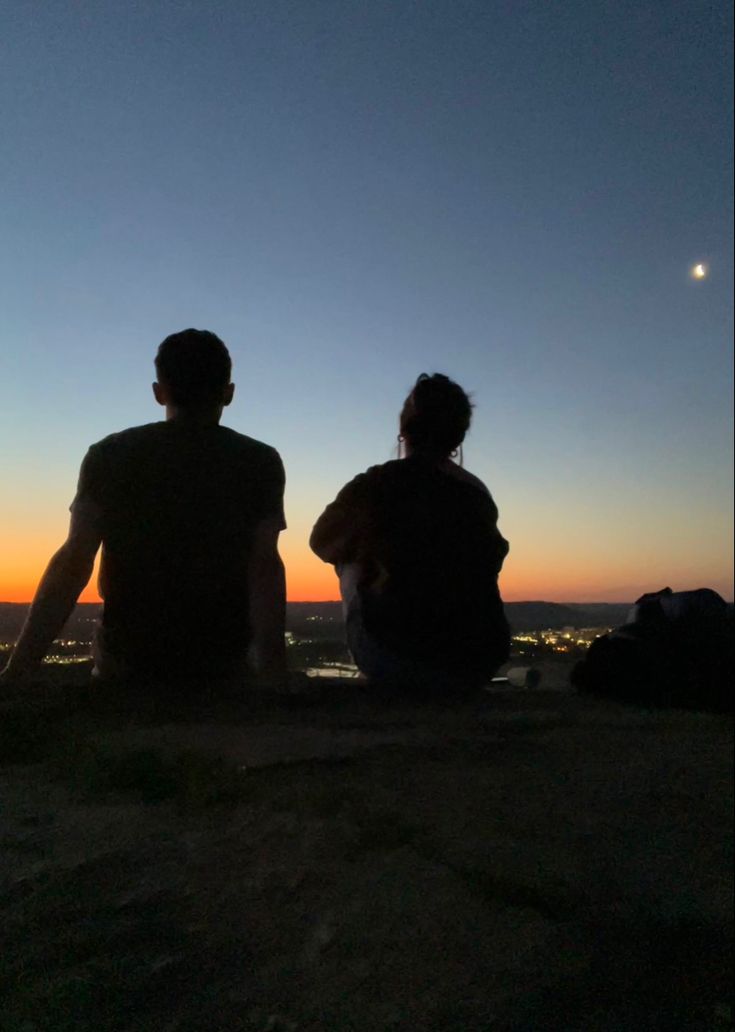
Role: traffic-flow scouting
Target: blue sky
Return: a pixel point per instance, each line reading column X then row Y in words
column 352, row 193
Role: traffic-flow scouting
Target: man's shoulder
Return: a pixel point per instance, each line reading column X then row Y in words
column 129, row 437
column 247, row 445
column 148, row 434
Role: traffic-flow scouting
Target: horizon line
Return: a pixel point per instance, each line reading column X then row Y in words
column 337, row 601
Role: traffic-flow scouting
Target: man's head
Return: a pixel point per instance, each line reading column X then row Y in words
column 193, row 369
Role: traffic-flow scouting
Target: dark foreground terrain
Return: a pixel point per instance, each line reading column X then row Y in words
column 535, row 861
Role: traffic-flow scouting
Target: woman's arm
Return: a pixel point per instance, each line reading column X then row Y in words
column 340, row 533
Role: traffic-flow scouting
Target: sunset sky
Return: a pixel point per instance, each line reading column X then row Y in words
column 350, row 193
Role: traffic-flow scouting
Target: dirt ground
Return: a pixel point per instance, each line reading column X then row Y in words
column 531, row 861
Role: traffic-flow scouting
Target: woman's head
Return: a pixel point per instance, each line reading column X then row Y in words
column 435, row 416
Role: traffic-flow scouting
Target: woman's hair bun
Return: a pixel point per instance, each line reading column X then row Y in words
column 436, row 415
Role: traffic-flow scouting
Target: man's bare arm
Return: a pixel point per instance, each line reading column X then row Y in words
column 267, row 599
column 62, row 583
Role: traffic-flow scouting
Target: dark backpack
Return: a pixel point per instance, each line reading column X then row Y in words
column 676, row 650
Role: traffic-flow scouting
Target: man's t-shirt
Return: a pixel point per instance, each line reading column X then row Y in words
column 428, row 546
column 177, row 506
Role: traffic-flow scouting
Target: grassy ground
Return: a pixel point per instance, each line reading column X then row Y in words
column 535, row 861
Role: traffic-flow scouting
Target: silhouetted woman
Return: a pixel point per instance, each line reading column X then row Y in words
column 416, row 545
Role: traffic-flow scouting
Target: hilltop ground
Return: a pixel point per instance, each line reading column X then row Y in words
column 535, row 861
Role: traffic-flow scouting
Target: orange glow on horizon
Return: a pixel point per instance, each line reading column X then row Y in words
column 325, row 588
column 563, row 578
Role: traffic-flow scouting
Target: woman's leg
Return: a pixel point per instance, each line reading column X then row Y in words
column 394, row 674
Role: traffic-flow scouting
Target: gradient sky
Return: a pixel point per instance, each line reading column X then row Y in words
column 350, row 193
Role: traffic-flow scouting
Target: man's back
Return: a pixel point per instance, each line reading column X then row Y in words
column 188, row 515
column 178, row 504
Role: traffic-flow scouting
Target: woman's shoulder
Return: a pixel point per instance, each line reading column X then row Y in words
column 381, row 473
column 400, row 470
column 362, row 485
column 475, row 489
column 463, row 476
column 406, row 471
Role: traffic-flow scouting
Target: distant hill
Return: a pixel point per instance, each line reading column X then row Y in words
column 522, row 616
column 325, row 620
column 530, row 616
column 316, row 618
column 12, row 615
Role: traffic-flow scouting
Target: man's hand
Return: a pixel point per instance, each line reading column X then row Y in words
column 17, row 676
column 267, row 604
column 285, row 684
column 267, row 677
column 17, row 673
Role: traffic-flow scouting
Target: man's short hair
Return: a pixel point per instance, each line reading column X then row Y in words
column 195, row 366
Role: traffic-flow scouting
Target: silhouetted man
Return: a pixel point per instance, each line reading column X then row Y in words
column 188, row 514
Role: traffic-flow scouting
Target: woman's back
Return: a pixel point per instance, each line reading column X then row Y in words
column 424, row 537
column 418, row 551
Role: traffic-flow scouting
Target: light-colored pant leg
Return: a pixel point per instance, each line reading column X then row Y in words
column 377, row 662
